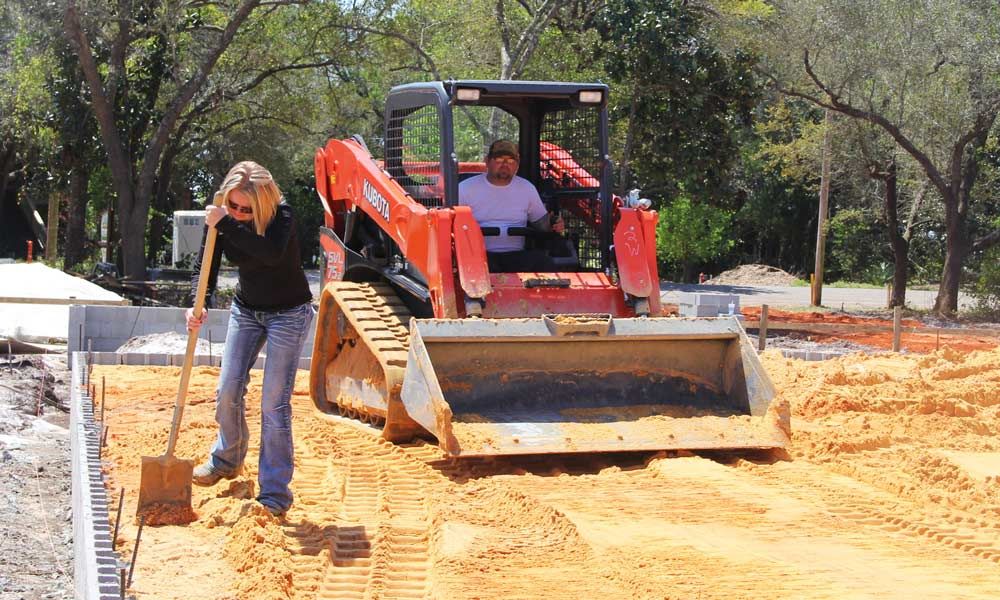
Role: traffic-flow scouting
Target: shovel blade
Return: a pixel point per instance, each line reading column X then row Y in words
column 165, row 480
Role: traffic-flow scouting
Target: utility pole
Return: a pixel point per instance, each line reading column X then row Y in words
column 824, row 208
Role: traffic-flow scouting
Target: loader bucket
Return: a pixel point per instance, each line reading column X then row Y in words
column 589, row 383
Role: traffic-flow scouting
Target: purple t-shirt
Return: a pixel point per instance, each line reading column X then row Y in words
column 513, row 205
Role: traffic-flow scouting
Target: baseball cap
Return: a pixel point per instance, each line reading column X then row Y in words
column 503, row 148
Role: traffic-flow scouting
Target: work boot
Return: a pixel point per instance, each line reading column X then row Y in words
column 205, row 475
column 278, row 512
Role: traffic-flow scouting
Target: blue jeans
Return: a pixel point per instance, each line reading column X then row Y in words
column 284, row 332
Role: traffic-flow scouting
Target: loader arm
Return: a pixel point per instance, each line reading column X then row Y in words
column 354, row 181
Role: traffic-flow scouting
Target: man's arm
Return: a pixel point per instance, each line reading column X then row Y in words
column 545, row 222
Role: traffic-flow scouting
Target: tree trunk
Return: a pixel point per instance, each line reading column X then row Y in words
column 7, row 159
column 135, row 190
column 897, row 241
column 625, row 174
column 161, row 200
column 76, row 211
column 956, row 245
column 688, row 272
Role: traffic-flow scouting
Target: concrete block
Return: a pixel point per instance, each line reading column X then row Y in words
column 158, row 359
column 77, row 317
column 134, row 359
column 697, row 310
column 104, row 358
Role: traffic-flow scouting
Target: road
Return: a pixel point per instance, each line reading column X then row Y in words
column 788, row 296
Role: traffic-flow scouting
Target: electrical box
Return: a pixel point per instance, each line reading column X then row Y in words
column 188, row 228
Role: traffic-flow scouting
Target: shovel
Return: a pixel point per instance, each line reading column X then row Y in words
column 166, row 480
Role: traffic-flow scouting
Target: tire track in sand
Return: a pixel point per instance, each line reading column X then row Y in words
column 769, row 531
column 376, row 545
column 870, row 507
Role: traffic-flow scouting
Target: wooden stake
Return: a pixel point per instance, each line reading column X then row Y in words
column 762, row 329
column 897, row 322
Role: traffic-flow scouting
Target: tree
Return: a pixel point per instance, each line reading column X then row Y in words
column 28, row 142
column 683, row 99
column 142, row 55
column 924, row 72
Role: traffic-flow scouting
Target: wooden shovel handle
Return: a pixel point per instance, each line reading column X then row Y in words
column 199, row 306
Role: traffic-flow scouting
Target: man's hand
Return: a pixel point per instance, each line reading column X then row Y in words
column 550, row 222
column 558, row 225
column 214, row 214
column 194, row 324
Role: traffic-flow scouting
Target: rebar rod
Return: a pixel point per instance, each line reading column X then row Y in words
column 135, row 549
column 118, row 517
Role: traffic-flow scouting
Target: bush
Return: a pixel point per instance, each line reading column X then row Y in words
column 986, row 288
column 690, row 233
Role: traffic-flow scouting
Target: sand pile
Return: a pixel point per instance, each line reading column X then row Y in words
column 170, row 342
column 754, row 275
column 892, row 490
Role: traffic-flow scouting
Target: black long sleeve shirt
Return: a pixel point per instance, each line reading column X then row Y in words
column 270, row 266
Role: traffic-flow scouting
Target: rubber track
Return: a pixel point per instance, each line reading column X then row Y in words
column 380, row 318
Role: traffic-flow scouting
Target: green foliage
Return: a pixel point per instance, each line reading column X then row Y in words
column 776, row 220
column 681, row 98
column 792, row 141
column 986, row 288
column 689, row 233
column 853, row 252
column 308, row 209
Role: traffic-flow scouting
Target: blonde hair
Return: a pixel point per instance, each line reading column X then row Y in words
column 256, row 182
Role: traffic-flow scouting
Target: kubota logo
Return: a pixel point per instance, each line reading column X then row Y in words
column 376, row 199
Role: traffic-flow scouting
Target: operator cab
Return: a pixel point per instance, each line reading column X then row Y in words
column 437, row 134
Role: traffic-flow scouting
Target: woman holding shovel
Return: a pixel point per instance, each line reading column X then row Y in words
column 272, row 307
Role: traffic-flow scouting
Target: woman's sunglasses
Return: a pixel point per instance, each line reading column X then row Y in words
column 246, row 210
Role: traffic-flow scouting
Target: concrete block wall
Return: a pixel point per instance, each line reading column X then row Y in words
column 95, row 561
column 106, row 328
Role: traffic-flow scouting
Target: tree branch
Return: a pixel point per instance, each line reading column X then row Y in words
column 987, row 241
column 103, row 110
column 835, row 103
column 188, row 90
column 403, row 38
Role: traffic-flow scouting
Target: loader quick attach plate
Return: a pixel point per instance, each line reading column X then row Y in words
column 589, row 383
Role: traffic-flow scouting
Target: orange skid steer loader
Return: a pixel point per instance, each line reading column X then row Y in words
column 417, row 336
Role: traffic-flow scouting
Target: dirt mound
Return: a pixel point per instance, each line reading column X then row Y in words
column 754, row 275
column 892, row 491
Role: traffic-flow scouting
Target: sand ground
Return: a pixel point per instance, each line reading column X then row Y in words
column 891, row 490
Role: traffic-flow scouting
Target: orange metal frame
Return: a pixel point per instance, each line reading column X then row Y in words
column 444, row 242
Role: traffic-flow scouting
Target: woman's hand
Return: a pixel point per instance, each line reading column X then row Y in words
column 192, row 323
column 214, row 214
